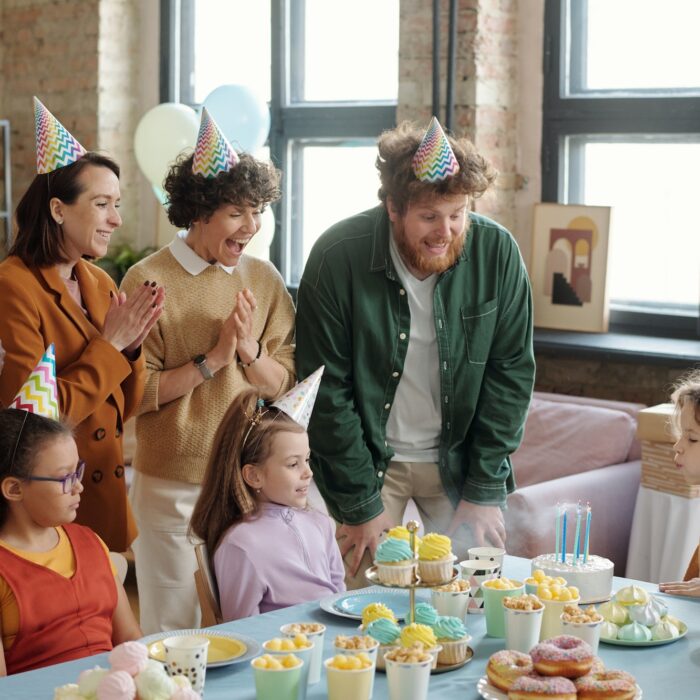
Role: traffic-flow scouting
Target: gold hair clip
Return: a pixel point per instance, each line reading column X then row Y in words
column 255, row 418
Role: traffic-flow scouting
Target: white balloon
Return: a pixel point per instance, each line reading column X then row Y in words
column 260, row 243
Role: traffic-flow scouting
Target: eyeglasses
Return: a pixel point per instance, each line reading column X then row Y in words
column 68, row 481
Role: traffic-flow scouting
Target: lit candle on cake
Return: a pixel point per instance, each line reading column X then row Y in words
column 557, row 533
column 577, row 536
column 563, row 539
column 587, row 533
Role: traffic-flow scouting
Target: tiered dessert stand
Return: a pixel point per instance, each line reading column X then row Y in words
column 372, row 576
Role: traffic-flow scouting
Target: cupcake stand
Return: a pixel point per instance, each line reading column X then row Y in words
column 371, row 575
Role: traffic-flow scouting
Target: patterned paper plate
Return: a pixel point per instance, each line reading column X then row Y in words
column 224, row 647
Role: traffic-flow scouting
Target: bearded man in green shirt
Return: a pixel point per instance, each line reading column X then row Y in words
column 421, row 312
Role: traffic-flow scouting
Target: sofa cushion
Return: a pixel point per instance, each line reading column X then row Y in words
column 562, row 439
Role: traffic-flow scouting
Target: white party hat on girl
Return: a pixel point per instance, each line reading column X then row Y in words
column 298, row 402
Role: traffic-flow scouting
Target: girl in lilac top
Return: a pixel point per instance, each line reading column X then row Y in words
column 269, row 549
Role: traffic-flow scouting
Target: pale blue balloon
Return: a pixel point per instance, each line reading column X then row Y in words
column 242, row 115
column 161, row 196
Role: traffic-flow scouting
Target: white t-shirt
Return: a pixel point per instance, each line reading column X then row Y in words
column 415, row 419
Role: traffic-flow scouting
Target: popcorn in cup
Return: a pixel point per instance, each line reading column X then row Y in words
column 408, row 673
column 277, row 677
column 494, row 592
column 302, row 647
column 350, row 676
column 476, row 572
column 584, row 624
column 452, row 599
column 186, row 655
column 523, row 621
column 356, row 645
column 315, row 631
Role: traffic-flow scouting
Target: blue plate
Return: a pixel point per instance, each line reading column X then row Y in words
column 353, row 603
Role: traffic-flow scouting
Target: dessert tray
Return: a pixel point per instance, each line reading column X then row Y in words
column 488, row 692
column 652, row 643
column 446, row 668
column 350, row 604
column 224, row 647
column 372, row 576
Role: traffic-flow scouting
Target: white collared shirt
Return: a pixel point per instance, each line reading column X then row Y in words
column 189, row 260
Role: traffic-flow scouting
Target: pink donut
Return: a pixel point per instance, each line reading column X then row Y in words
column 549, row 687
column 565, row 655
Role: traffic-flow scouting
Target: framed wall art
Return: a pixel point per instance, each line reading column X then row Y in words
column 569, row 267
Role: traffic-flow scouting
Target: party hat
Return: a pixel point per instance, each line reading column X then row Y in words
column 434, row 160
column 55, row 147
column 299, row 401
column 39, row 394
column 213, row 154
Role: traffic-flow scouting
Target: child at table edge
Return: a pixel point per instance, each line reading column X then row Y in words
column 59, row 598
column 686, row 423
column 270, row 550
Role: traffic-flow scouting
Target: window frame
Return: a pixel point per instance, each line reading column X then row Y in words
column 293, row 124
column 608, row 114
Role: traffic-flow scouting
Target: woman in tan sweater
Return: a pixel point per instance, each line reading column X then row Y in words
column 229, row 326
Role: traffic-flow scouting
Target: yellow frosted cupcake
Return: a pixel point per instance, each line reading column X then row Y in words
column 423, row 635
column 435, row 558
column 401, row 533
column 375, row 611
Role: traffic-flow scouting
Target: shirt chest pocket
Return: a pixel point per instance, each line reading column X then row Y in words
column 479, row 323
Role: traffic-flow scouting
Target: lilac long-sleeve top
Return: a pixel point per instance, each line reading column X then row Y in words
column 283, row 557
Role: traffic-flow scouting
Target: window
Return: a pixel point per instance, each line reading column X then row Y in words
column 621, row 127
column 330, row 72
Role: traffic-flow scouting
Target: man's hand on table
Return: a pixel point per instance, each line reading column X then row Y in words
column 361, row 537
column 486, row 523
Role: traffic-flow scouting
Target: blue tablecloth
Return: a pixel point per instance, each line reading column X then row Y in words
column 669, row 672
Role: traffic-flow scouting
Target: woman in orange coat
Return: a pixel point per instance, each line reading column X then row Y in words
column 50, row 293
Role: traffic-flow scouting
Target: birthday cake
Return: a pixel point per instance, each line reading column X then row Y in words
column 593, row 577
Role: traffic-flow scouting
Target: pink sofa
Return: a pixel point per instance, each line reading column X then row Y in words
column 575, row 448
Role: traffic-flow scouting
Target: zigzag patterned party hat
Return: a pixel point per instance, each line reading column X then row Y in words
column 434, row 161
column 299, row 401
column 39, row 394
column 55, row 147
column 213, row 154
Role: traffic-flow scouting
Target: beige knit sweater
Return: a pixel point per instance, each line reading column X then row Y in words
column 174, row 441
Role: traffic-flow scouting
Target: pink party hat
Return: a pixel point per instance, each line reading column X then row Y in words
column 39, row 394
column 434, row 160
column 299, row 401
column 55, row 147
column 213, row 154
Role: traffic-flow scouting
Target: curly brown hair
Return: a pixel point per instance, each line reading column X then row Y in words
column 193, row 197
column 398, row 181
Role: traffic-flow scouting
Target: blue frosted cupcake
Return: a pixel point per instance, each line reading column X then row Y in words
column 395, row 562
column 452, row 636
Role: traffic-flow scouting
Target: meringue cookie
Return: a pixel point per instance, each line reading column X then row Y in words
column 69, row 691
column 659, row 606
column 153, row 683
column 185, row 694
column 613, row 612
column 117, row 685
column 89, row 680
column 643, row 614
column 632, row 595
column 634, row 632
column 609, row 630
column 130, row 657
column 664, row 630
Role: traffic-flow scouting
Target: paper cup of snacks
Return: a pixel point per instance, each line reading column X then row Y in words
column 315, row 631
column 494, row 592
column 408, row 673
column 277, row 677
column 350, row 676
column 301, row 646
column 583, row 623
column 523, row 621
column 452, row 599
column 555, row 596
column 355, row 645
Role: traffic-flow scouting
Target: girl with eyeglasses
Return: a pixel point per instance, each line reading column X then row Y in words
column 59, row 598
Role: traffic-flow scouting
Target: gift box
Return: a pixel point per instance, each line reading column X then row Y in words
column 655, row 432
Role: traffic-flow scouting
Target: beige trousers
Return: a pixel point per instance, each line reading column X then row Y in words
column 163, row 553
column 421, row 482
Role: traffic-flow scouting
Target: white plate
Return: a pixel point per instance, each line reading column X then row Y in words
column 252, row 648
column 488, row 692
column 332, row 603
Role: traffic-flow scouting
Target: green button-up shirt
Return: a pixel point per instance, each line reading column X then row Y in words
column 353, row 317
